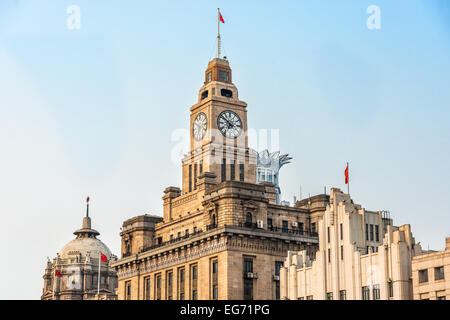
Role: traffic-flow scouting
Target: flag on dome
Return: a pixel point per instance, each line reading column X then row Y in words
column 103, row 257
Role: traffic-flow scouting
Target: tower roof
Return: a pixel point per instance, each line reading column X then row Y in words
column 218, row 70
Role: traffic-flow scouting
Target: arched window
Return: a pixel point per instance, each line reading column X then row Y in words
column 248, row 219
column 213, row 219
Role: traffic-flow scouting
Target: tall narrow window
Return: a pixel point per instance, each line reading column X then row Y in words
column 147, row 288
column 371, row 232
column 195, row 176
column 214, row 279
column 169, row 285
column 365, row 293
column 341, row 231
column 278, row 265
column 248, row 279
column 194, row 278
column 328, row 234
column 248, row 220
column 128, row 290
column 224, row 170
column 269, row 224
column 377, row 233
column 241, row 172
column 313, row 227
column 391, row 289
column 367, row 232
column 158, row 287
column 201, row 166
column 284, row 226
column 190, row 177
column 181, row 283
column 329, row 255
column 342, row 252
column 376, row 292
column 232, row 170
column 343, row 295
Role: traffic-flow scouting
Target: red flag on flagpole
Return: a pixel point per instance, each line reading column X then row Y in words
column 103, row 257
column 346, row 174
column 57, row 273
column 221, row 18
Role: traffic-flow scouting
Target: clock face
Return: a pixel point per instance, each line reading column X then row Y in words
column 199, row 127
column 229, row 123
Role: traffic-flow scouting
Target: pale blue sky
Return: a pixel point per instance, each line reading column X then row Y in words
column 92, row 111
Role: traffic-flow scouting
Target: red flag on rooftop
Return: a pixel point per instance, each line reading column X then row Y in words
column 57, row 273
column 103, row 257
column 346, row 174
column 221, row 18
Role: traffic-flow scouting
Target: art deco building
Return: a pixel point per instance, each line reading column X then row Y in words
column 361, row 256
column 74, row 273
column 431, row 274
column 222, row 235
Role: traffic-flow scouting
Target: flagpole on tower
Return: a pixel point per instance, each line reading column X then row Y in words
column 98, row 286
column 218, row 33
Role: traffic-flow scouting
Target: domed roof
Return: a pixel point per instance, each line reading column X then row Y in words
column 85, row 242
column 84, row 245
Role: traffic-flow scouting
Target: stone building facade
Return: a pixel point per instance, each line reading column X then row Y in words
column 222, row 235
column 73, row 274
column 361, row 256
column 431, row 274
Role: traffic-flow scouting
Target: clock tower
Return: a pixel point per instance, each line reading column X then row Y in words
column 218, row 132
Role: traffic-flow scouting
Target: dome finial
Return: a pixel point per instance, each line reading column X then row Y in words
column 87, row 206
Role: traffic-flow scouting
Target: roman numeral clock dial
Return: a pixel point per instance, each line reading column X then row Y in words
column 229, row 124
column 199, row 127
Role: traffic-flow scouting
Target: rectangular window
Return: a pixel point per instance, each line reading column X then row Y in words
column 269, row 224
column 328, row 234
column 181, row 283
column 190, row 177
column 277, row 290
column 232, row 170
column 224, row 170
column 241, row 172
column 284, row 226
column 376, row 292
column 329, row 255
column 201, row 166
column 128, row 290
column 343, row 295
column 158, row 287
column 223, row 75
column 423, row 275
column 195, row 176
column 208, row 77
column 367, row 232
column 169, row 285
column 313, row 227
column 194, row 277
column 309, row 297
column 214, row 279
column 278, row 265
column 371, row 232
column 342, row 252
column 248, row 289
column 300, row 227
column 342, row 232
column 248, row 265
column 147, row 288
column 439, row 273
column 329, row 295
column 377, row 233
column 365, row 293
column 391, row 289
